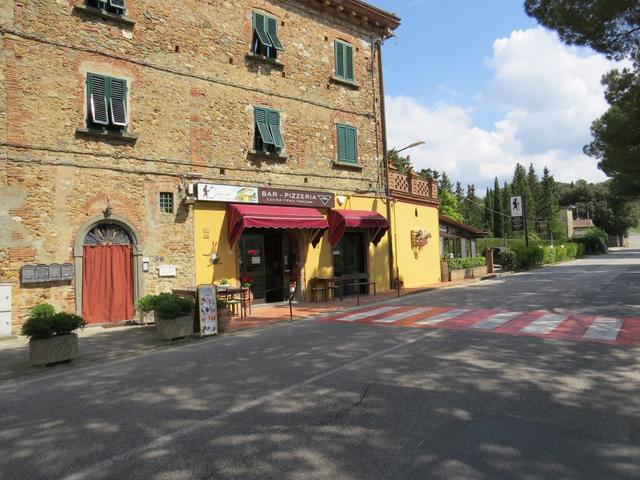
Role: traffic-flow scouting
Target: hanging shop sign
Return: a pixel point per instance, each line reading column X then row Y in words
column 210, row 192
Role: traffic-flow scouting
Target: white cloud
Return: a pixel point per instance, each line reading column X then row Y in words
column 547, row 95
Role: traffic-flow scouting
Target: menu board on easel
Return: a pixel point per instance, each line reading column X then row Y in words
column 207, row 310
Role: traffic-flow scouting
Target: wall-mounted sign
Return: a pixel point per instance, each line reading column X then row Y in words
column 167, row 270
column 43, row 273
column 207, row 310
column 210, row 192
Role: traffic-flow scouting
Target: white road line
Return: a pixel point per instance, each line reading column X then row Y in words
column 495, row 321
column 544, row 324
column 443, row 317
column 402, row 315
column 604, row 328
column 359, row 316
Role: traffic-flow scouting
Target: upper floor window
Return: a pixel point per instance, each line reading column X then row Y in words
column 268, row 137
column 347, row 143
column 116, row 7
column 265, row 36
column 344, row 61
column 106, row 102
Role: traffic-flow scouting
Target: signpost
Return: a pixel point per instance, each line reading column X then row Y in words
column 519, row 217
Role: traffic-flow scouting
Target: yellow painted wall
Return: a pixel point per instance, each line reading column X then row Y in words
column 210, row 225
column 417, row 266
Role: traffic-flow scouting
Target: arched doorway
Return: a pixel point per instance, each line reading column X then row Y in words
column 108, row 274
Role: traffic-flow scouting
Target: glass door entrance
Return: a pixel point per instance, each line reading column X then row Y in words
column 261, row 263
column 349, row 256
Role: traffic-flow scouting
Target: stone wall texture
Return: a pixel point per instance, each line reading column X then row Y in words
column 191, row 92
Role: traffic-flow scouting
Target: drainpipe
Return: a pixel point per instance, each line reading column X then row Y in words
column 383, row 119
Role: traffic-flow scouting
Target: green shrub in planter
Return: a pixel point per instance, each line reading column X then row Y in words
column 42, row 310
column 47, row 326
column 171, row 306
column 146, row 303
column 464, row 263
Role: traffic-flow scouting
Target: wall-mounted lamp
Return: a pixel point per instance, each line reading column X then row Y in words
column 145, row 264
column 341, row 199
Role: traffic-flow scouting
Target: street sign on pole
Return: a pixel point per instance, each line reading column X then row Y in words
column 517, row 214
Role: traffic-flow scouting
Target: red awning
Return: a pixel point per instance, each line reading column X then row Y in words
column 240, row 217
column 340, row 220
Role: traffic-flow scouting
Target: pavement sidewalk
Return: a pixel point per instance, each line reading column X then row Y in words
column 106, row 343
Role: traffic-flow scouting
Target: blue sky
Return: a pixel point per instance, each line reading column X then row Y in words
column 487, row 87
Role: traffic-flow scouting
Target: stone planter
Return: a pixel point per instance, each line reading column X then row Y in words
column 170, row 329
column 146, row 318
column 56, row 349
column 224, row 320
column 479, row 271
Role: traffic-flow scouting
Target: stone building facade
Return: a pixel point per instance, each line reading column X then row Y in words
column 191, row 88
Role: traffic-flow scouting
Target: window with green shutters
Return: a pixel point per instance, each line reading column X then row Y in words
column 106, row 102
column 265, row 36
column 344, row 61
column 347, row 143
column 268, row 136
column 116, row 7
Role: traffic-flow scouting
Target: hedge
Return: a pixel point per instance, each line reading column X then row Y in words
column 464, row 263
column 536, row 255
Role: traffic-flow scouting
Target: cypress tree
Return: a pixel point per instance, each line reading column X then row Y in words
column 498, row 219
column 488, row 211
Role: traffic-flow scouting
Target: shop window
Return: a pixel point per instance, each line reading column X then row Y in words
column 106, row 102
column 347, row 143
column 267, row 136
column 116, row 7
column 166, row 202
column 344, row 61
column 452, row 248
column 265, row 40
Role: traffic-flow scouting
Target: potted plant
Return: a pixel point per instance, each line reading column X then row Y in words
column 224, row 315
column 174, row 316
column 145, row 307
column 246, row 282
column 51, row 337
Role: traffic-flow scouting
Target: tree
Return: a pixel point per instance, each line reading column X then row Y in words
column 520, row 187
column 488, row 211
column 550, row 208
column 506, row 208
column 616, row 133
column 609, row 27
column 472, row 208
column 402, row 163
column 498, row 218
column 449, row 205
column 445, row 183
column 428, row 174
column 534, row 187
column 612, row 28
column 459, row 193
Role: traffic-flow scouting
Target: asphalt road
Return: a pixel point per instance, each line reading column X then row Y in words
column 328, row 400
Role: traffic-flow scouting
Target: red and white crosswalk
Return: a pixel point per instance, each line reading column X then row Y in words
column 539, row 323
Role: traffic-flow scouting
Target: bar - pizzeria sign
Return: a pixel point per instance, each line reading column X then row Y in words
column 209, row 192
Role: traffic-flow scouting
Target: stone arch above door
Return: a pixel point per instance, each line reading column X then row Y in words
column 78, row 252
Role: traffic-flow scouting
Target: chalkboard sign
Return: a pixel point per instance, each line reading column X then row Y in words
column 67, row 271
column 28, row 274
column 55, row 272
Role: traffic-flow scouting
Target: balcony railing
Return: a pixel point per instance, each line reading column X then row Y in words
column 413, row 185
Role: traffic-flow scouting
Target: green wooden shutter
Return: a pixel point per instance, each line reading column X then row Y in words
column 352, row 145
column 260, row 26
column 272, row 30
column 348, row 62
column 97, row 96
column 339, row 58
column 273, row 118
column 260, row 115
column 118, row 102
column 342, row 143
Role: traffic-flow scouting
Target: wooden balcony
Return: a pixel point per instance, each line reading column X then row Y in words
column 412, row 188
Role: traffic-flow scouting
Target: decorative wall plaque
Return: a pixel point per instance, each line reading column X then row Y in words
column 43, row 273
